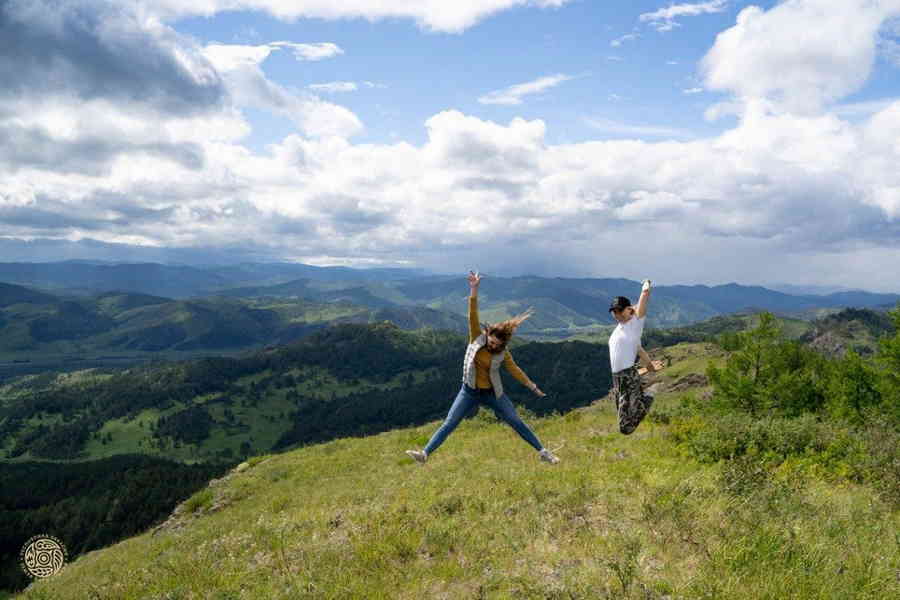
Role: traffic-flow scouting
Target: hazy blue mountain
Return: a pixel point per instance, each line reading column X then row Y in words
column 88, row 279
column 808, row 290
column 178, row 281
column 35, row 324
column 857, row 298
column 15, row 294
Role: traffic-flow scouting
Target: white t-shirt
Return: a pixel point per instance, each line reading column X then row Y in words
column 624, row 343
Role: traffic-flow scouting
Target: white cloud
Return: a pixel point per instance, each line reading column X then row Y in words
column 693, row 90
column 230, row 56
column 496, row 193
column 647, row 206
column 501, row 193
column 664, row 18
column 764, row 55
column 334, row 87
column 249, row 86
column 434, row 15
column 514, row 93
column 317, row 51
column 625, row 38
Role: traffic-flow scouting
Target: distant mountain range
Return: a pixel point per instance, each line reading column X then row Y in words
column 34, row 322
column 75, row 305
column 808, row 290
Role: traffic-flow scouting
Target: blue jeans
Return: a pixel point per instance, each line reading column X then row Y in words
column 466, row 400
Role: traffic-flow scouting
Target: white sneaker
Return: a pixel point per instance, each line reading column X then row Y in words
column 547, row 456
column 419, row 455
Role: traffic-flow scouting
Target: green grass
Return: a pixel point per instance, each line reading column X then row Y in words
column 688, row 358
column 619, row 517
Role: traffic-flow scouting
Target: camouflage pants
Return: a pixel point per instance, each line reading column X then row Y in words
column 632, row 404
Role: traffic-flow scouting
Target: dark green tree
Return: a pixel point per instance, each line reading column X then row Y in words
column 746, row 378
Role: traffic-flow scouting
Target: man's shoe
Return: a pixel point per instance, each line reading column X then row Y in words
column 419, row 455
column 653, row 389
column 547, row 456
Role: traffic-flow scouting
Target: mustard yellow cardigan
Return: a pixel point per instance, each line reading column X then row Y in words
column 483, row 356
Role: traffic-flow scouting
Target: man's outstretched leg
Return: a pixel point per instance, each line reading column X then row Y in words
column 632, row 404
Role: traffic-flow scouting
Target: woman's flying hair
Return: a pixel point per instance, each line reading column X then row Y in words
column 505, row 329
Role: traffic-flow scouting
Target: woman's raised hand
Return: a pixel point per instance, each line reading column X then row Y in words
column 474, row 279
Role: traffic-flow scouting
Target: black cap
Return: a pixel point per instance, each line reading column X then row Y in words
column 620, row 303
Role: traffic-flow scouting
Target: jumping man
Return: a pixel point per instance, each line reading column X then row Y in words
column 632, row 403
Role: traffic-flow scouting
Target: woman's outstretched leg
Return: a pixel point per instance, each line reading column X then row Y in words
column 461, row 406
column 505, row 410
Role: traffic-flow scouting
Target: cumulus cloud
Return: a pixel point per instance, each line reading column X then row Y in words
column 664, row 18
column 763, row 56
column 97, row 50
column 513, row 94
column 477, row 192
column 499, row 194
column 433, row 15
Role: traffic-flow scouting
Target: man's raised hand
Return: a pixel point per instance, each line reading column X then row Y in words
column 474, row 279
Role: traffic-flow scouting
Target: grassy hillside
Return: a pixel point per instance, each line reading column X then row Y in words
column 619, row 517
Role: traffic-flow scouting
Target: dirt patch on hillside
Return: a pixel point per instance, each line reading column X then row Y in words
column 187, row 511
column 688, row 382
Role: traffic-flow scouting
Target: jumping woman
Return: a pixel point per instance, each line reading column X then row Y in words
column 481, row 379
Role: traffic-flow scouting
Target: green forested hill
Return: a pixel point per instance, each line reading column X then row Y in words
column 89, row 504
column 347, row 379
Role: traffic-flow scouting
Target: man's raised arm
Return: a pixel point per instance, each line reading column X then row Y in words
column 645, row 296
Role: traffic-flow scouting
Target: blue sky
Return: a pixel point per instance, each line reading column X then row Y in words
column 632, row 84
column 702, row 141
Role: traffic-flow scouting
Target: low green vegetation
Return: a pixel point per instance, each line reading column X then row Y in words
column 764, row 470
